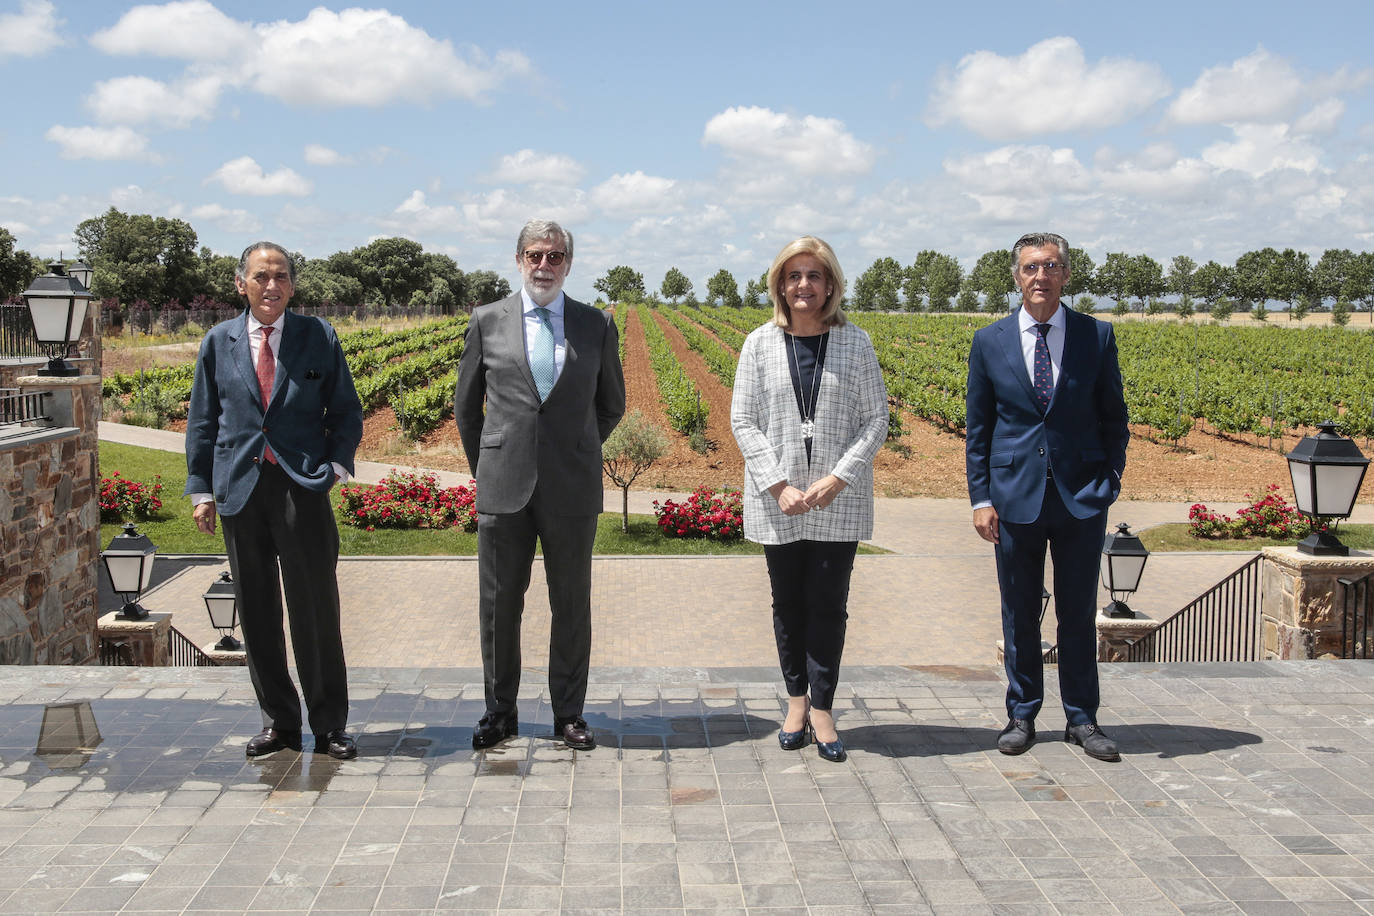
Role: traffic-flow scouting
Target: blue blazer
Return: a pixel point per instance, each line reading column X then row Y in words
column 312, row 419
column 1081, row 438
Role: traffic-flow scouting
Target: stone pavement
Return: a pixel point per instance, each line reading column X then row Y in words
column 1242, row 789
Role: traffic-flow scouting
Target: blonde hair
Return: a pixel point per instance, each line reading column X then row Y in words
column 831, row 314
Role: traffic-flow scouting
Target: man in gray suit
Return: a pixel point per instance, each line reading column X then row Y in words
column 539, row 389
column 273, row 422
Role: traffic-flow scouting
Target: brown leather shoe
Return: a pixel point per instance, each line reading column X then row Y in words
column 271, row 740
column 338, row 744
column 575, row 733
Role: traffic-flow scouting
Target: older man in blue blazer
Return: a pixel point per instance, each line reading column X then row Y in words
column 273, row 422
column 1046, row 447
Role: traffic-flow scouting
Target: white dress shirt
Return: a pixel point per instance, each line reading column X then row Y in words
column 533, row 323
column 1054, row 339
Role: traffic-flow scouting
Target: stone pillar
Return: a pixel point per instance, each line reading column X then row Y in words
column 1116, row 634
column 1300, row 618
column 148, row 639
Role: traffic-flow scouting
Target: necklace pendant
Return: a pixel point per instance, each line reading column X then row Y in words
column 808, row 429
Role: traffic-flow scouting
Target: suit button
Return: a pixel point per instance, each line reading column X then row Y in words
column 255, row 460
column 264, row 429
column 1040, row 450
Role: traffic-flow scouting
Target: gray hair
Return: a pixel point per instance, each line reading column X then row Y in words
column 241, row 272
column 537, row 229
column 1039, row 240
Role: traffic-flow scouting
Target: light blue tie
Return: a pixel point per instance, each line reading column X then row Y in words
column 542, row 363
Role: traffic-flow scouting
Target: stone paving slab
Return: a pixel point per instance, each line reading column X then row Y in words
column 1242, row 789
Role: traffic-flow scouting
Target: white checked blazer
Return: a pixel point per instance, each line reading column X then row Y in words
column 851, row 425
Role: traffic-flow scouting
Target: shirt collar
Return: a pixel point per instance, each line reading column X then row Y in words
column 254, row 323
column 555, row 307
column 1028, row 323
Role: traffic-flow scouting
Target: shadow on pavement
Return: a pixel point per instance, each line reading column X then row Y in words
column 1155, row 739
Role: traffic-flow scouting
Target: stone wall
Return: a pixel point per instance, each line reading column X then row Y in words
column 50, row 528
column 1300, row 616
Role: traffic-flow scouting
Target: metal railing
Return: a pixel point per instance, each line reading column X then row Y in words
column 19, row 407
column 116, row 652
column 1354, row 598
column 1221, row 625
column 185, row 654
column 16, row 331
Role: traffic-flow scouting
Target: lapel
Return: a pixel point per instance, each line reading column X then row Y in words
column 512, row 321
column 574, row 329
column 242, row 355
column 1079, row 332
column 1009, row 336
column 291, row 349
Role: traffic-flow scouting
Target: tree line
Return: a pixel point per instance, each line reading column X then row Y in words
column 935, row 282
column 142, row 261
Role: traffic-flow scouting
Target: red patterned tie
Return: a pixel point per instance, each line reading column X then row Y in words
column 267, row 374
column 1044, row 375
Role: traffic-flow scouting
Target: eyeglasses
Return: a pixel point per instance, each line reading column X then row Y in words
column 1033, row 268
column 554, row 258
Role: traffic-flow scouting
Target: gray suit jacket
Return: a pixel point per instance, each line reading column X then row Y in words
column 314, row 417
column 513, row 441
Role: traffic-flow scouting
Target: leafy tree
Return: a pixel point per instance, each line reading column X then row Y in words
column 992, row 277
column 1222, row 309
column 1360, row 282
column 1288, row 278
column 138, row 256
column 1259, row 312
column 691, row 301
column 1185, row 308
column 442, row 268
column 916, row 278
column 1113, row 277
column 1340, row 313
column 754, row 289
column 217, row 276
column 879, row 286
column 316, row 284
column 621, row 284
column 17, row 267
column 944, row 276
column 1298, row 310
column 723, row 287
column 968, row 299
column 1080, row 276
column 1086, row 304
column 630, row 450
column 1211, row 281
column 1332, row 273
column 1144, row 278
column 1121, row 308
column 1249, row 278
column 1180, row 282
column 486, row 286
column 391, row 269
column 675, row 284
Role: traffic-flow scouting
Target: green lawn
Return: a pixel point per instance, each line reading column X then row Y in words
column 1175, row 536
column 174, row 533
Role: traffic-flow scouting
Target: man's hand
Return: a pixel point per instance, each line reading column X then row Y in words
column 204, row 514
column 985, row 523
column 823, row 492
column 790, row 500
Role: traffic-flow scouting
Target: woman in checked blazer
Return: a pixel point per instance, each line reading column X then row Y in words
column 809, row 413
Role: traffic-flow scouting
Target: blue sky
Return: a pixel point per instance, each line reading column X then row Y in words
column 699, row 135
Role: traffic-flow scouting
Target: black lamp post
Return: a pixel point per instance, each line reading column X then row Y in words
column 1044, row 603
column 57, row 307
column 129, row 563
column 81, row 272
column 1123, row 562
column 223, row 607
column 1327, row 470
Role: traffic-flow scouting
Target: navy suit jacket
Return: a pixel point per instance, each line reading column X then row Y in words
column 1081, row 438
column 313, row 418
column 512, row 440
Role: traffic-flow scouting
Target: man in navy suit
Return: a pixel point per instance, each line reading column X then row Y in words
column 1046, row 447
column 273, row 422
column 539, row 389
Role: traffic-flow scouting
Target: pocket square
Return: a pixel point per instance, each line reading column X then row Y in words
column 311, row 375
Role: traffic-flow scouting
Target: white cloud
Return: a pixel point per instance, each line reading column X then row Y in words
column 1261, row 148
column 636, row 193
column 315, row 154
column 1322, row 118
column 529, row 167
column 192, row 30
column 810, row 145
column 140, row 100
column 1257, row 87
column 234, row 220
column 100, row 143
column 368, row 58
column 1014, row 170
column 1049, row 88
column 32, row 31
column 245, row 176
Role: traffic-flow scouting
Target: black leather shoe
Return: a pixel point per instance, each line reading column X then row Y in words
column 1094, row 741
column 494, row 728
column 575, row 733
column 338, row 744
column 271, row 740
column 831, row 750
column 792, row 741
column 1017, row 737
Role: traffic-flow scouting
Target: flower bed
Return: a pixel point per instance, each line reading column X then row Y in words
column 705, row 514
column 406, row 500
column 1268, row 517
column 122, row 499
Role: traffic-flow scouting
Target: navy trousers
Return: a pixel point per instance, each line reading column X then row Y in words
column 810, row 613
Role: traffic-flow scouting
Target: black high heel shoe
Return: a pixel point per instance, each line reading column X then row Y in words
column 793, row 741
column 832, row 750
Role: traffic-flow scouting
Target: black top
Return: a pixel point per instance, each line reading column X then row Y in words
column 805, row 361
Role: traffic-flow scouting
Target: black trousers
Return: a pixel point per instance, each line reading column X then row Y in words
column 286, row 534
column 505, row 553
column 810, row 610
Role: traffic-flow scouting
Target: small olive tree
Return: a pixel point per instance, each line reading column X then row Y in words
column 633, row 446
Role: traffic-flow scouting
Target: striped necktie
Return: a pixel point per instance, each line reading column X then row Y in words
column 542, row 364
